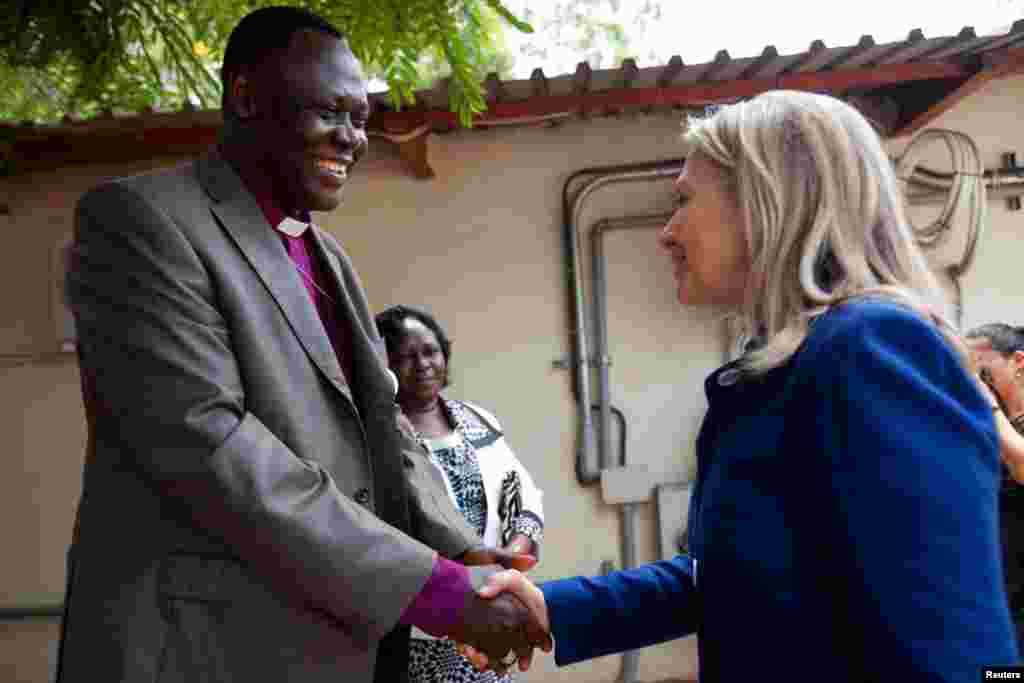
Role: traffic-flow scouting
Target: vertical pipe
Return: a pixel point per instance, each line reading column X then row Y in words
column 599, row 287
column 630, row 658
column 587, row 471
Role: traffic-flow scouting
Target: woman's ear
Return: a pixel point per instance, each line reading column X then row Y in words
column 1017, row 360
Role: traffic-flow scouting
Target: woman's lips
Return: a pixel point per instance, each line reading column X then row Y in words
column 679, row 266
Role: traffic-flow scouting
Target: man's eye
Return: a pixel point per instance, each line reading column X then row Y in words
column 331, row 116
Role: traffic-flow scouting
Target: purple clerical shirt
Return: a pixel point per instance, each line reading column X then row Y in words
column 438, row 606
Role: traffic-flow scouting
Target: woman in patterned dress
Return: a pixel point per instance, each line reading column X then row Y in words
column 484, row 478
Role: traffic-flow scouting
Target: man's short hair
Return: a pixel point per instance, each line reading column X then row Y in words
column 262, row 33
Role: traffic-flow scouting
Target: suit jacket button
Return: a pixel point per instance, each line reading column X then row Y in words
column 363, row 496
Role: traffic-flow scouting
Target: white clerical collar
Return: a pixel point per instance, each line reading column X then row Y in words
column 292, row 227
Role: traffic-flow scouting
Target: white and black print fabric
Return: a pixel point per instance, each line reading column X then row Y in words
column 475, row 460
column 437, row 661
column 462, row 469
column 510, row 504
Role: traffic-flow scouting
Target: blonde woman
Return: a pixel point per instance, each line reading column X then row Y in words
column 843, row 524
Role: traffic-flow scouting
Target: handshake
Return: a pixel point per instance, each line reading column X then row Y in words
column 503, row 622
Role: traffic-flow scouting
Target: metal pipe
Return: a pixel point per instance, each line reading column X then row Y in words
column 997, row 176
column 1005, row 190
column 599, row 286
column 587, row 471
column 630, row 658
column 31, row 612
column 994, row 179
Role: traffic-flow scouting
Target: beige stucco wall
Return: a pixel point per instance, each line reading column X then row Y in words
column 480, row 245
column 992, row 118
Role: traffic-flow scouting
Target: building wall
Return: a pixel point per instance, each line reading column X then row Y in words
column 481, row 246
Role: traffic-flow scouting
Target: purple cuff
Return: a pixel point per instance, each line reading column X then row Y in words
column 438, row 606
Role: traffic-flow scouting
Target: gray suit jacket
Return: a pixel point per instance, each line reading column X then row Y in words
column 227, row 527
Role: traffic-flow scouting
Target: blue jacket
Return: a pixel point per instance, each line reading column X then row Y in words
column 843, row 524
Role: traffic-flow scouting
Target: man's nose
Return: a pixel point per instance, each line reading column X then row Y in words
column 351, row 138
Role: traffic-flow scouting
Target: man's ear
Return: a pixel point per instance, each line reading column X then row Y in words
column 243, row 97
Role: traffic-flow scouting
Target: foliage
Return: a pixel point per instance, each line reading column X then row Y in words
column 83, row 56
column 594, row 31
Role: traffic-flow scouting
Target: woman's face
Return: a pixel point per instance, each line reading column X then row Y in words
column 705, row 238
column 1004, row 368
column 419, row 363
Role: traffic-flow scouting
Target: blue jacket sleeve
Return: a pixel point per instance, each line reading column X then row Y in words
column 909, row 453
column 624, row 610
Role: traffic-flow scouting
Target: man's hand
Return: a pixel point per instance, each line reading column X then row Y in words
column 506, row 558
column 498, row 625
column 504, row 585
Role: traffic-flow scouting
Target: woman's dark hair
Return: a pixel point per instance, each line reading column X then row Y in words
column 1004, row 338
column 390, row 324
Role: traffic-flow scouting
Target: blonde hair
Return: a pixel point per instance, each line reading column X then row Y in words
column 822, row 212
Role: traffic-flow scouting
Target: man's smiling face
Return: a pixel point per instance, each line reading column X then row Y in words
column 312, row 120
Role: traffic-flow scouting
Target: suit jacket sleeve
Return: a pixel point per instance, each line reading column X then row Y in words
column 435, row 521
column 911, row 472
column 624, row 610
column 162, row 365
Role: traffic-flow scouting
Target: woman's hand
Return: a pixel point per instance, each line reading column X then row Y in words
column 506, row 557
column 521, row 544
column 515, row 582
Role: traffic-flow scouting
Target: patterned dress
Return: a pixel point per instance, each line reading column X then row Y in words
column 437, row 661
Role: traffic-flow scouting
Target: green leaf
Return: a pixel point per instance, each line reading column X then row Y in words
column 505, row 14
column 80, row 56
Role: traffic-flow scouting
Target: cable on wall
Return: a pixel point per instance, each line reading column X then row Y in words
column 966, row 191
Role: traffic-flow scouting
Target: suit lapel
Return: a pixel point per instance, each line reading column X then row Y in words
column 367, row 363
column 374, row 397
column 240, row 215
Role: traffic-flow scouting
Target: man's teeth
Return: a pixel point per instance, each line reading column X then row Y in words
column 331, row 165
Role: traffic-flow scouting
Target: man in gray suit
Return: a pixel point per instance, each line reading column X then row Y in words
column 251, row 510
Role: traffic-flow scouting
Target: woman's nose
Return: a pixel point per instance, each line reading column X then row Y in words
column 665, row 238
